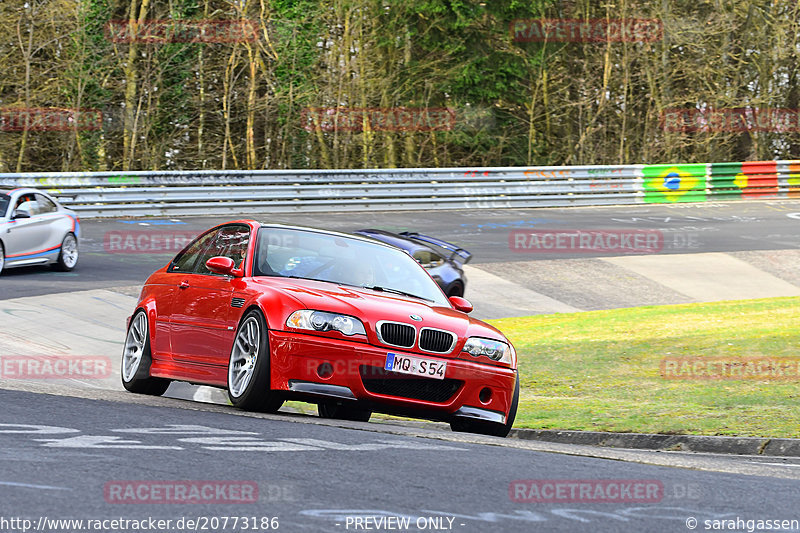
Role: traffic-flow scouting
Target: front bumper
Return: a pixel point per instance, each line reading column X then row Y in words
column 315, row 368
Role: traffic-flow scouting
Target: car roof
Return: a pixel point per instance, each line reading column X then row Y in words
column 324, row 231
column 396, row 240
column 21, row 190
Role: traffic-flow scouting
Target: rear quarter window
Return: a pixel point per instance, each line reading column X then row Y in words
column 428, row 259
column 4, row 200
column 45, row 204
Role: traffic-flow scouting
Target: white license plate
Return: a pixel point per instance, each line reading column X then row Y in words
column 415, row 366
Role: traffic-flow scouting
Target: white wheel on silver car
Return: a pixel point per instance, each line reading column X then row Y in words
column 68, row 256
column 2, row 257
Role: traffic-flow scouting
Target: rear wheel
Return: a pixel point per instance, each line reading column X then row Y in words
column 248, row 368
column 340, row 411
column 68, row 256
column 136, row 360
column 467, row 425
column 455, row 289
column 2, row 257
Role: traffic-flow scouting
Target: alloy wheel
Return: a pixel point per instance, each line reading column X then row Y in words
column 244, row 356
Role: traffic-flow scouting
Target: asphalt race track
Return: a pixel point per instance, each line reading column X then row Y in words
column 84, row 450
column 62, row 455
column 684, row 229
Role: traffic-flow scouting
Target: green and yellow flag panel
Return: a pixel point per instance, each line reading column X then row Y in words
column 674, row 183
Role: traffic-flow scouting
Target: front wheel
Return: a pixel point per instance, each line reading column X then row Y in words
column 2, row 257
column 337, row 410
column 68, row 256
column 467, row 425
column 136, row 360
column 248, row 368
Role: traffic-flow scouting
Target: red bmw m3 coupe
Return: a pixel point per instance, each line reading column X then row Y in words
column 276, row 313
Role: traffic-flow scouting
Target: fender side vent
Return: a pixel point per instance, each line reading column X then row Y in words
column 237, row 302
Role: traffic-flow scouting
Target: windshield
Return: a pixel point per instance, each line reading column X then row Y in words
column 4, row 199
column 319, row 256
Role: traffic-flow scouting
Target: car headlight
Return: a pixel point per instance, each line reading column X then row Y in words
column 494, row 350
column 324, row 321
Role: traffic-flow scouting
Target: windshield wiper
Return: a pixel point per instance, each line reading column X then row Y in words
column 396, row 291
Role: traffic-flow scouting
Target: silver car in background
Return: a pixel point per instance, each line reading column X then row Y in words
column 36, row 230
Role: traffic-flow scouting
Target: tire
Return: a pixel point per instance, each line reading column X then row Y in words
column 466, row 425
column 339, row 411
column 455, row 289
column 249, row 369
column 136, row 360
column 68, row 256
column 2, row 257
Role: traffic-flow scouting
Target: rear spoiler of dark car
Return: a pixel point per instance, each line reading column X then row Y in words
column 458, row 254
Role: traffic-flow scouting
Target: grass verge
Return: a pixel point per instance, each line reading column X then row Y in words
column 600, row 370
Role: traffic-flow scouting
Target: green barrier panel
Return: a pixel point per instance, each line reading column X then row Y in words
column 724, row 179
column 753, row 179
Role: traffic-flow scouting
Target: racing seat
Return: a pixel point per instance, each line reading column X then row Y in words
column 263, row 268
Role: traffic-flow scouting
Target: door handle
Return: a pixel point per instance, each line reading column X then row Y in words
column 184, row 284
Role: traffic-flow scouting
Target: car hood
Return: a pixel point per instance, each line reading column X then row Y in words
column 373, row 306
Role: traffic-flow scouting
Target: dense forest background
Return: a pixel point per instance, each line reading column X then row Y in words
column 244, row 104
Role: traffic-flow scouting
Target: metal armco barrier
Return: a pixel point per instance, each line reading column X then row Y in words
column 114, row 194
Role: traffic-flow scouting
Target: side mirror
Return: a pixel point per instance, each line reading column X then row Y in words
column 221, row 265
column 461, row 304
column 20, row 213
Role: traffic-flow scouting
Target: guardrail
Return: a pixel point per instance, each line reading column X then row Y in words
column 106, row 194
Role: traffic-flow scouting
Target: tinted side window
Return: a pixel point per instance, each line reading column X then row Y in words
column 4, row 201
column 230, row 241
column 45, row 204
column 186, row 260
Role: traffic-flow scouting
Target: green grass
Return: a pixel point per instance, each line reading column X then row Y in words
column 599, row 370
